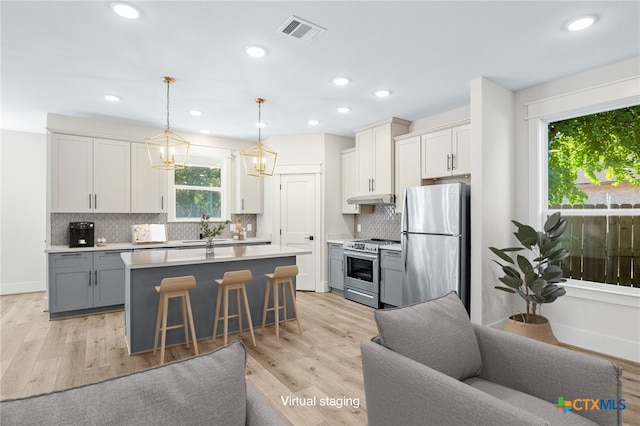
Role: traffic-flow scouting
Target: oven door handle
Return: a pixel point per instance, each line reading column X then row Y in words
column 360, row 255
column 360, row 294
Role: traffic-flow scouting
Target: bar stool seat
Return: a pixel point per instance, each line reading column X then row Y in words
column 277, row 280
column 170, row 288
column 232, row 280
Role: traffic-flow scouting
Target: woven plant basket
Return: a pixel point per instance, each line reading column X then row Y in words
column 537, row 327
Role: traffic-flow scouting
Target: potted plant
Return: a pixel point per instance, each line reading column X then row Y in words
column 209, row 233
column 536, row 280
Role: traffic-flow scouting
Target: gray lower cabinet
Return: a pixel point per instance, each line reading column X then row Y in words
column 85, row 280
column 336, row 267
column 391, row 277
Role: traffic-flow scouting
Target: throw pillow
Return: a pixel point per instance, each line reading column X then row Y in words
column 436, row 333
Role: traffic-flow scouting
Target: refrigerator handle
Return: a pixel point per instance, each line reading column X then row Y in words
column 403, row 250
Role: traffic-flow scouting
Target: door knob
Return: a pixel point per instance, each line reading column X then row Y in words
column 310, row 238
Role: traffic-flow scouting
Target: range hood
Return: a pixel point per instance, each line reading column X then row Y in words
column 372, row 199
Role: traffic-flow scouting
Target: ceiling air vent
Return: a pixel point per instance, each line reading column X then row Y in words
column 301, row 29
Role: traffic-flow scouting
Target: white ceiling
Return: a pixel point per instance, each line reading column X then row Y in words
column 63, row 57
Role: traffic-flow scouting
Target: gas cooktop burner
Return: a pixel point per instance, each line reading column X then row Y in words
column 370, row 245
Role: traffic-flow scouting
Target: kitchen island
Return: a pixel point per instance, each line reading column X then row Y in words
column 145, row 269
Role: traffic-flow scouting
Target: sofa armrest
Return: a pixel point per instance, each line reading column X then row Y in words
column 259, row 411
column 400, row 390
column 549, row 372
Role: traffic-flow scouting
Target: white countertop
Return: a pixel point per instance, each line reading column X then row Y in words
column 171, row 257
column 393, row 247
column 169, row 244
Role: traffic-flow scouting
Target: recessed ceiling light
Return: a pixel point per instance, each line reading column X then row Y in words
column 112, row 98
column 205, row 131
column 382, row 93
column 255, row 51
column 195, row 113
column 126, row 10
column 313, row 122
column 581, row 22
column 344, row 110
column 341, row 81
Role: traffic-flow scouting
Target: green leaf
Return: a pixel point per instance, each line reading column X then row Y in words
column 558, row 255
column 510, row 281
column 510, row 271
column 552, row 272
column 501, row 254
column 527, row 235
column 538, row 285
column 524, row 264
column 552, row 221
column 508, row 290
column 558, row 230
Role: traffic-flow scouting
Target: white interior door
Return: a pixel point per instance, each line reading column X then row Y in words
column 298, row 223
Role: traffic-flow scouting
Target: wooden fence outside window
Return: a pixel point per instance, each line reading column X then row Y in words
column 604, row 248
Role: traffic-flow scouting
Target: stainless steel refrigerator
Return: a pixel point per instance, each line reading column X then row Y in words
column 435, row 242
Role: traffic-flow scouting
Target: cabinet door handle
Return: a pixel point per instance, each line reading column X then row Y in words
column 71, row 254
column 242, row 208
column 452, row 158
column 373, row 185
column 95, row 201
column 89, row 201
column 162, row 203
column 448, row 159
column 95, row 282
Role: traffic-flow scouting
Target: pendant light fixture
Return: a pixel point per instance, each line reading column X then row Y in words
column 259, row 160
column 167, row 151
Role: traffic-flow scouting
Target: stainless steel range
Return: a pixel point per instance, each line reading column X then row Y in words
column 362, row 270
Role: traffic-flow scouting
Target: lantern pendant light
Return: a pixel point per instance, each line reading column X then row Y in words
column 167, row 150
column 259, row 160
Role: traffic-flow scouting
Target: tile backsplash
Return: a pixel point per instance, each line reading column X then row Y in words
column 384, row 223
column 116, row 227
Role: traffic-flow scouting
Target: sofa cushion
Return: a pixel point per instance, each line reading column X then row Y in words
column 436, row 333
column 206, row 389
column 540, row 408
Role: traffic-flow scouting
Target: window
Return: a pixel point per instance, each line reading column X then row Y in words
column 198, row 191
column 199, row 188
column 594, row 178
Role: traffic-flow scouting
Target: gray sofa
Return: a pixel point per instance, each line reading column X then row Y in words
column 204, row 390
column 431, row 366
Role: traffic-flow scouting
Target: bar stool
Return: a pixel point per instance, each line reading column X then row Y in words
column 170, row 288
column 281, row 276
column 233, row 280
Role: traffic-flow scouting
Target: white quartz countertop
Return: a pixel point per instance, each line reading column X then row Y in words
column 169, row 244
column 393, row 247
column 172, row 257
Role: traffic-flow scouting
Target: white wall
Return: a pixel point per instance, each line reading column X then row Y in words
column 492, row 153
column 22, row 212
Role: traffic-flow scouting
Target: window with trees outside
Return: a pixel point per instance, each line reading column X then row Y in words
column 199, row 188
column 594, row 179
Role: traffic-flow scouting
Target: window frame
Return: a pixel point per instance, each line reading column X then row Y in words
column 201, row 156
column 619, row 94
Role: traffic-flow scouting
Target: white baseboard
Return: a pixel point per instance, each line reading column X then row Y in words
column 23, row 287
column 620, row 348
column 602, row 343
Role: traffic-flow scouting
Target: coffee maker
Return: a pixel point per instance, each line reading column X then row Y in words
column 81, row 234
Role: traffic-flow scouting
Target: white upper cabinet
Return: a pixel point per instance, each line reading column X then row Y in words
column 446, row 153
column 407, row 167
column 349, row 180
column 71, row 174
column 148, row 185
column 375, row 153
column 111, row 176
column 90, row 175
column 247, row 191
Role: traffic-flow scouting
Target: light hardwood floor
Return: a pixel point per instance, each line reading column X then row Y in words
column 38, row 355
